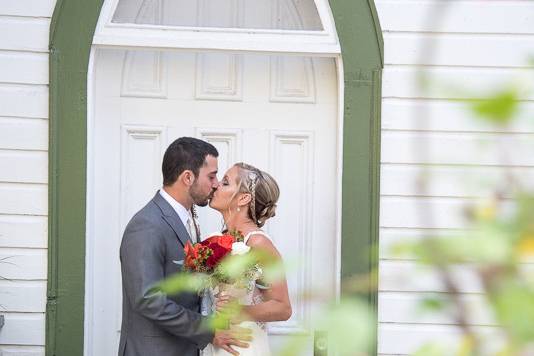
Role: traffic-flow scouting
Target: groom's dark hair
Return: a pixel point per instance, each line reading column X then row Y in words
column 185, row 153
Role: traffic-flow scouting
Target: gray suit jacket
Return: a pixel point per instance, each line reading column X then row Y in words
column 153, row 323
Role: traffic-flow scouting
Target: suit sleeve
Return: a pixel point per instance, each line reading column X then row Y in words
column 142, row 256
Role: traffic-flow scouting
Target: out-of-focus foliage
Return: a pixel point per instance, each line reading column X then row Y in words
column 497, row 247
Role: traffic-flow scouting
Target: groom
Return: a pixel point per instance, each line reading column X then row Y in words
column 153, row 323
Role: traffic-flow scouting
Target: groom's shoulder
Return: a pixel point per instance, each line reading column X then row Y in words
column 149, row 215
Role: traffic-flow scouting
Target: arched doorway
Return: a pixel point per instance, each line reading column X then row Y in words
column 291, row 67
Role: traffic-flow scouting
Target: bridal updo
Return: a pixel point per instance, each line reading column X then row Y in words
column 263, row 189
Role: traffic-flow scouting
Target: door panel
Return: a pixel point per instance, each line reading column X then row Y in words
column 277, row 113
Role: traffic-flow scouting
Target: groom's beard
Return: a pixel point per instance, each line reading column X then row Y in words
column 200, row 200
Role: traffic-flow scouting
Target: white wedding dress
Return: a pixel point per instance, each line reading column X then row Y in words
column 259, row 346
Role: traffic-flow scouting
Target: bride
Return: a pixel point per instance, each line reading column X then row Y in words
column 246, row 198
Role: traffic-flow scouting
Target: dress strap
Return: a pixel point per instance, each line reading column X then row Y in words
column 257, row 232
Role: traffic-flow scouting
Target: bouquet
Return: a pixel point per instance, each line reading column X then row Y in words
column 224, row 261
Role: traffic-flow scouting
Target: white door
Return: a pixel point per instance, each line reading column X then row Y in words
column 279, row 113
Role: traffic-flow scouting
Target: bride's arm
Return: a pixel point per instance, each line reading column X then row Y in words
column 276, row 305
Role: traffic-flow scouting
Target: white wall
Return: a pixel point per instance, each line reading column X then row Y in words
column 24, row 28
column 479, row 44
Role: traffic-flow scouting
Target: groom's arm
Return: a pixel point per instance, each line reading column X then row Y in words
column 142, row 255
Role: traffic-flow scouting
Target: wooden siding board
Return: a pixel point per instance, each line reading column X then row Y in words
column 400, row 307
column 14, row 350
column 23, row 67
column 23, row 329
column 405, row 212
column 23, row 231
column 408, row 276
column 23, row 134
column 407, row 338
column 23, row 199
column 451, row 82
column 462, row 16
column 449, row 181
column 24, row 100
column 457, row 148
column 445, row 115
column 391, row 237
column 18, row 166
column 23, row 296
column 459, row 49
column 24, row 264
column 25, row 33
column 27, row 8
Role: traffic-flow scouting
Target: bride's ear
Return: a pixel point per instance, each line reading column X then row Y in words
column 244, row 199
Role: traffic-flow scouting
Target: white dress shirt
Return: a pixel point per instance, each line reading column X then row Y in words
column 183, row 214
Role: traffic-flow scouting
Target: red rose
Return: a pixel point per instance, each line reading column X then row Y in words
column 219, row 252
column 226, row 241
column 209, row 252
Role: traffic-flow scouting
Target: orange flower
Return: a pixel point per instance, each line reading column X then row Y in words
column 191, row 254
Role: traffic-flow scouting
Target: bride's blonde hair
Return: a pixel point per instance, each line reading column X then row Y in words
column 263, row 189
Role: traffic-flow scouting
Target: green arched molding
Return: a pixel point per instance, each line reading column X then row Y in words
column 71, row 34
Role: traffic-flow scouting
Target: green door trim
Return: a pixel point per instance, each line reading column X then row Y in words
column 71, row 34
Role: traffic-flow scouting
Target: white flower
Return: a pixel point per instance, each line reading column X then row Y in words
column 239, row 248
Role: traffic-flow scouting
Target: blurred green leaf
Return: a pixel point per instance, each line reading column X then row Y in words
column 350, row 325
column 514, row 308
column 433, row 303
column 499, row 108
column 183, row 282
column 432, row 349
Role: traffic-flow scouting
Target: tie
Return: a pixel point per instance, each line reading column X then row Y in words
column 191, row 229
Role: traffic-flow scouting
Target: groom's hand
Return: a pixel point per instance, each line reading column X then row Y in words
column 235, row 336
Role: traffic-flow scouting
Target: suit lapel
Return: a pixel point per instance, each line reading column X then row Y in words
column 170, row 216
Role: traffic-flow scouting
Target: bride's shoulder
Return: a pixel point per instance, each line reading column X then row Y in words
column 258, row 239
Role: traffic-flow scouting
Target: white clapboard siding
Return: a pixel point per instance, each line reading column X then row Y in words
column 430, row 136
column 23, row 296
column 23, row 134
column 449, row 181
column 405, row 339
column 24, row 92
column 14, row 350
column 409, row 276
column 27, row 8
column 408, row 308
column 23, row 329
column 17, row 166
column 428, row 212
column 23, row 231
column 23, row 67
column 391, row 239
column 23, row 199
column 24, row 100
column 24, row 264
column 25, row 33
column 457, row 148
column 445, row 115
column 451, row 82
column 458, row 49
column 464, row 16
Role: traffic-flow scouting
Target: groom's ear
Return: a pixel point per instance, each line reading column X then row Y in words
column 187, row 177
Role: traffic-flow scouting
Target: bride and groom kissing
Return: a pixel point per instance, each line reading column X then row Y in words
column 157, row 324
